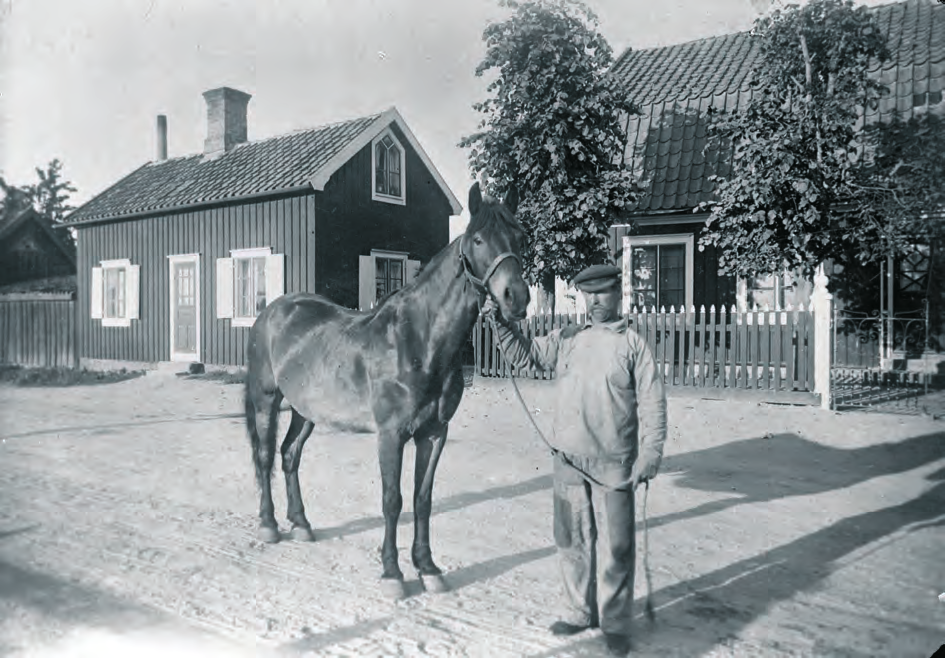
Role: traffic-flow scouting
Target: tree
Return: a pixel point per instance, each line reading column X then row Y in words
column 552, row 127
column 49, row 196
column 794, row 197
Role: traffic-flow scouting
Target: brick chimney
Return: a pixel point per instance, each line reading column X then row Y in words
column 161, row 137
column 226, row 119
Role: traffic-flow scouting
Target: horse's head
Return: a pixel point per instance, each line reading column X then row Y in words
column 492, row 247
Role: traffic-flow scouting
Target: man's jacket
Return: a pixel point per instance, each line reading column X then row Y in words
column 610, row 403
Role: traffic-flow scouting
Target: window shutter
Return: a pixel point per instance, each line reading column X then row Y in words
column 366, row 285
column 224, row 287
column 95, row 293
column 413, row 267
column 275, row 277
column 132, row 290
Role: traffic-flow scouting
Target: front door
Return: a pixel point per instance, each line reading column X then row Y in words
column 185, row 308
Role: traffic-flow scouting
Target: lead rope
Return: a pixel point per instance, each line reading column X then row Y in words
column 650, row 613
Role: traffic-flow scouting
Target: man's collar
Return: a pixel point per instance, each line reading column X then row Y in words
column 619, row 325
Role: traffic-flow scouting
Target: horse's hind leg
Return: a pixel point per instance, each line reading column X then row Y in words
column 429, row 442
column 299, row 430
column 262, row 416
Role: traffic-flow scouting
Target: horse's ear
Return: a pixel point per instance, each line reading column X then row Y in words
column 511, row 198
column 475, row 198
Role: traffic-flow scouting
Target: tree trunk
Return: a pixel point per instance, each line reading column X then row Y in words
column 546, row 293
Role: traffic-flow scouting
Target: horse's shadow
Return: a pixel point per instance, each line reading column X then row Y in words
column 784, row 465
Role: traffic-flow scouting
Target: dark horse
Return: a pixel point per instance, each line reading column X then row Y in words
column 396, row 371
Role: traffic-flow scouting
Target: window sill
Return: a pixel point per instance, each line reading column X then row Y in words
column 116, row 322
column 395, row 200
column 242, row 322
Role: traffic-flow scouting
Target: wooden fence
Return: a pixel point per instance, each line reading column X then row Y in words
column 769, row 350
column 38, row 332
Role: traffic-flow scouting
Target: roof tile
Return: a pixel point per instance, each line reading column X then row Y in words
column 268, row 165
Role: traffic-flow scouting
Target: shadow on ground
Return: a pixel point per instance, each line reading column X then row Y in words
column 709, row 611
column 764, row 469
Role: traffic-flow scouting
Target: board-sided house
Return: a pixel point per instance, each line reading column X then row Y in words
column 35, row 256
column 658, row 245
column 177, row 258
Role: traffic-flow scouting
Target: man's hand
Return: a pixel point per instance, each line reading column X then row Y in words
column 489, row 308
column 645, row 468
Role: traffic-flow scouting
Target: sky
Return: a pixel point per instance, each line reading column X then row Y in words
column 84, row 81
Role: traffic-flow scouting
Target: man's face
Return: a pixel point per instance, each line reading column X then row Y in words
column 603, row 306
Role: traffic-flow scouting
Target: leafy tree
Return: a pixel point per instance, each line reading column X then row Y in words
column 552, row 127
column 50, row 195
column 794, row 197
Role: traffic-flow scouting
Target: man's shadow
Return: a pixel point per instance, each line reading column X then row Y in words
column 697, row 615
column 784, row 465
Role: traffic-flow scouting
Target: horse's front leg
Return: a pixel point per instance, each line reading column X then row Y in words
column 429, row 447
column 391, row 456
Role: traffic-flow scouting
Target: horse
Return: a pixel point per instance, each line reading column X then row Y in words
column 395, row 371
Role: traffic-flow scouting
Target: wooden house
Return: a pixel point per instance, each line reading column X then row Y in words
column 177, row 258
column 674, row 86
column 31, row 250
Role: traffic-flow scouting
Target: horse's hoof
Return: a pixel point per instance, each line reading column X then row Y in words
column 393, row 588
column 269, row 535
column 302, row 534
column 434, row 582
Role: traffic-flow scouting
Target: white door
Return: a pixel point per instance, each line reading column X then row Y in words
column 185, row 307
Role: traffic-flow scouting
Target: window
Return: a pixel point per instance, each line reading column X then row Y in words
column 114, row 293
column 388, row 171
column 388, row 276
column 247, row 282
column 775, row 292
column 250, row 286
column 914, row 269
column 657, row 271
column 383, row 273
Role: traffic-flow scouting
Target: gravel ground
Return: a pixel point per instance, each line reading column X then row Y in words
column 127, row 527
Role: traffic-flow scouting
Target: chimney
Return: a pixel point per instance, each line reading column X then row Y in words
column 226, row 119
column 161, row 137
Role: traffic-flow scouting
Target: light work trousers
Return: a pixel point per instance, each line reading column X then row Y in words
column 595, row 534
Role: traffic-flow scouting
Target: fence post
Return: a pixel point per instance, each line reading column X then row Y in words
column 822, row 306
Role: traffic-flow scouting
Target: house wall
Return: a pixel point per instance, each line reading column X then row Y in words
column 351, row 223
column 51, row 260
column 285, row 224
column 708, row 286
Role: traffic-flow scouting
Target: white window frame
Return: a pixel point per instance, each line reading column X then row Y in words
column 173, row 260
column 389, row 255
column 241, row 254
column 131, row 292
column 387, row 198
column 741, row 292
column 367, row 300
column 630, row 241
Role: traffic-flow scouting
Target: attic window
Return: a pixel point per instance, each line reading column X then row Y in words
column 388, row 169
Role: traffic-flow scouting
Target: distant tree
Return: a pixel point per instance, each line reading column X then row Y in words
column 552, row 127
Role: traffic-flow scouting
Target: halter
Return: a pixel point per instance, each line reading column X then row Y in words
column 481, row 283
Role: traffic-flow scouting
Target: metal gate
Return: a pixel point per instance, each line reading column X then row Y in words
column 869, row 365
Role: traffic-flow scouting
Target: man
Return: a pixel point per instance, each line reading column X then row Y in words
column 609, row 429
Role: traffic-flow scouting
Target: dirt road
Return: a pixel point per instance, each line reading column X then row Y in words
column 127, row 526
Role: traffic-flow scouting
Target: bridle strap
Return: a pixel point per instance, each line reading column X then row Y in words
column 483, row 282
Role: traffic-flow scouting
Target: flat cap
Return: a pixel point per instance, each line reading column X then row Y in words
column 597, row 278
